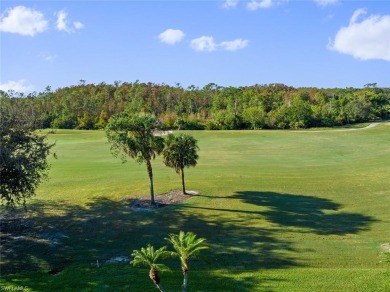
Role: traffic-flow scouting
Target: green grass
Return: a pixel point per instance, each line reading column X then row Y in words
column 281, row 210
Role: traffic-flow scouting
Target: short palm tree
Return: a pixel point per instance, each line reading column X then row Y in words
column 148, row 257
column 180, row 151
column 186, row 246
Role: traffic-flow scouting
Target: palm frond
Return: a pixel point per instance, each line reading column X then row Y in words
column 148, row 256
column 180, row 151
column 186, row 246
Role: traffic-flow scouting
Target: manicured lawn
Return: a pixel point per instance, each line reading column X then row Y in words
column 281, row 211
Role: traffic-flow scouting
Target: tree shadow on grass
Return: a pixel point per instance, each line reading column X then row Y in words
column 62, row 237
column 67, row 240
column 312, row 214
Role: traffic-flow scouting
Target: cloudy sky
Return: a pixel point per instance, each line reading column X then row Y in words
column 321, row 43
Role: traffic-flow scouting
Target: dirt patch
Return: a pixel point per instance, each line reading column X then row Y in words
column 53, row 238
column 163, row 200
column 15, row 224
column 13, row 229
column 385, row 247
column 118, row 260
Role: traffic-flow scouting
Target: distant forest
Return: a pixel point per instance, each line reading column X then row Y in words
column 213, row 107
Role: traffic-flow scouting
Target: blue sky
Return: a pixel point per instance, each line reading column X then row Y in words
column 323, row 43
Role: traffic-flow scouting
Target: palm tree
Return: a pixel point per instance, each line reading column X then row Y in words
column 148, row 257
column 179, row 152
column 133, row 136
column 186, row 246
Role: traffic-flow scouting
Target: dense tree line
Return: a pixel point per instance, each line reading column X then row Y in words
column 273, row 106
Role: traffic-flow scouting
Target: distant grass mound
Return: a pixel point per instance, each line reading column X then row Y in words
column 281, row 211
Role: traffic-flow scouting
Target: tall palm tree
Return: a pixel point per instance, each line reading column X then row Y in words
column 180, row 151
column 148, row 257
column 132, row 135
column 186, row 246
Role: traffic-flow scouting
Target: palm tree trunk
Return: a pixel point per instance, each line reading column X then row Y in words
column 153, row 275
column 182, row 181
column 159, row 287
column 185, row 281
column 150, row 174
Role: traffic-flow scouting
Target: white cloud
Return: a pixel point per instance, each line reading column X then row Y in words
column 326, row 2
column 204, row 43
column 234, row 45
column 254, row 4
column 230, row 4
column 208, row 44
column 48, row 57
column 63, row 24
column 171, row 36
column 23, row 20
column 61, row 20
column 78, row 25
column 18, row 86
column 355, row 16
column 365, row 40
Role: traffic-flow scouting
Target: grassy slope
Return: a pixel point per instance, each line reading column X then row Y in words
column 283, row 211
